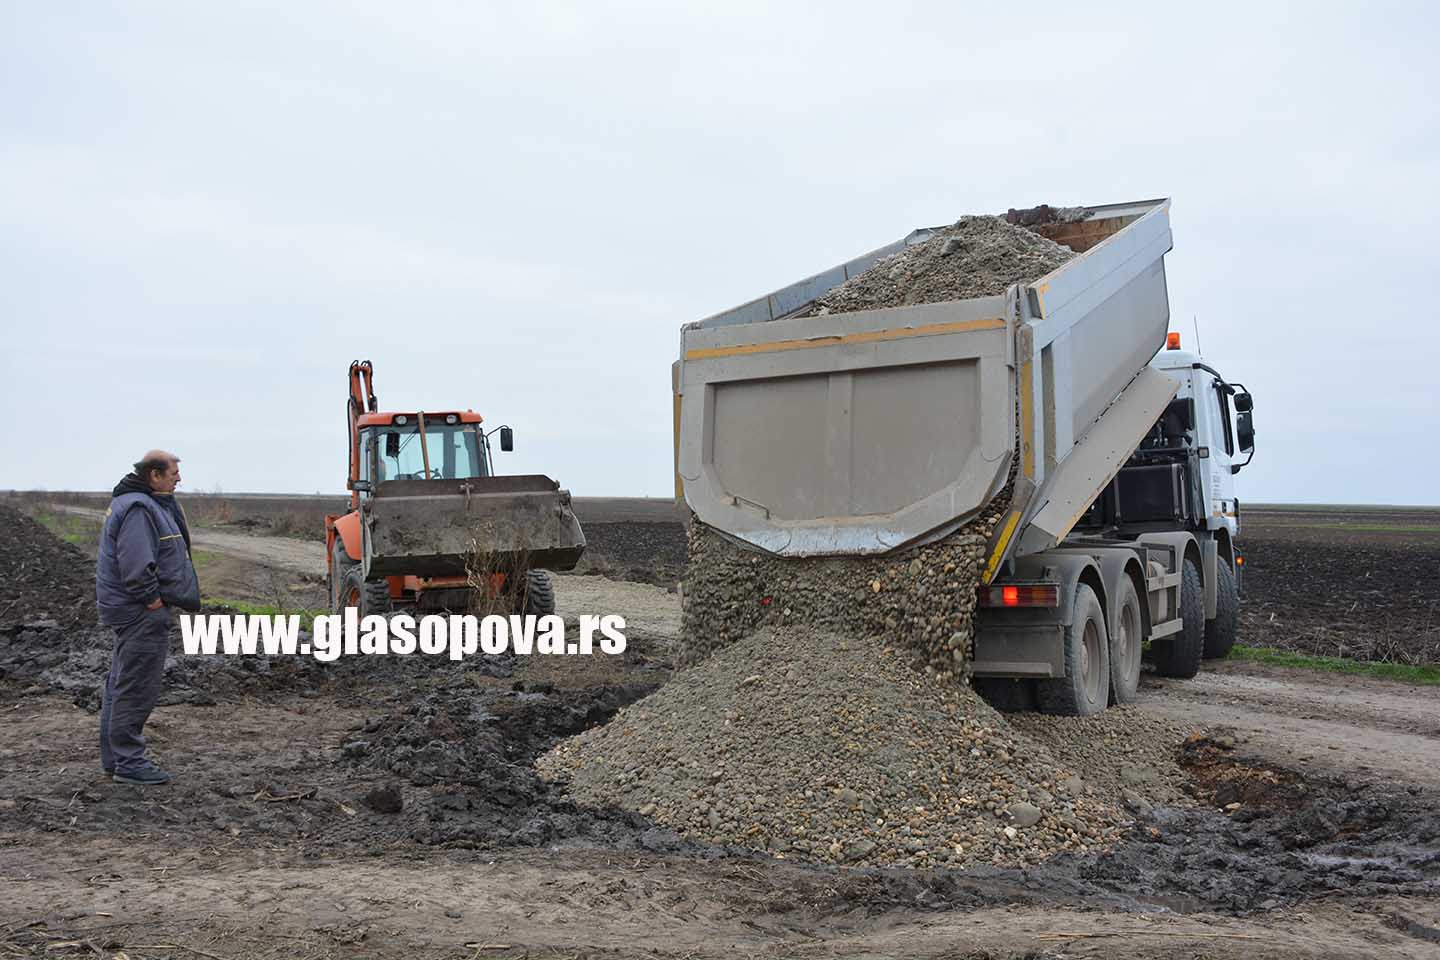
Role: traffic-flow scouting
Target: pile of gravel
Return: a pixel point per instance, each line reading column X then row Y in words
column 979, row 256
column 808, row 744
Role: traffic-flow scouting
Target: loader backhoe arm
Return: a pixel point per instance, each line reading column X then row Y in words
column 362, row 400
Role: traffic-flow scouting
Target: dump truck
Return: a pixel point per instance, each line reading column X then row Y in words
column 802, row 434
column 431, row 526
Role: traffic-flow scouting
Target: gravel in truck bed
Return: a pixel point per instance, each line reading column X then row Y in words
column 977, row 256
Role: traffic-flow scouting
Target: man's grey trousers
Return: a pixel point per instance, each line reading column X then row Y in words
column 137, row 672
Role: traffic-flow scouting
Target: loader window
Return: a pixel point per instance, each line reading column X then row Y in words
column 455, row 452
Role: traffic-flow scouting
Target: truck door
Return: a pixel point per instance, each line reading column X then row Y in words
column 1219, row 437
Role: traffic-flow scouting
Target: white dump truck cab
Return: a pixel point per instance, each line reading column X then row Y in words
column 1223, row 438
column 1182, row 475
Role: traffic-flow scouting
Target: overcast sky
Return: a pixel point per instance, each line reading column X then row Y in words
column 208, row 210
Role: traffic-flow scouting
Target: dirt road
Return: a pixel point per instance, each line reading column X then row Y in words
column 1320, row 723
column 285, row 553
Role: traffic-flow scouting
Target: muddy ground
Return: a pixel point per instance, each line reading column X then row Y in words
column 1361, row 583
column 363, row 809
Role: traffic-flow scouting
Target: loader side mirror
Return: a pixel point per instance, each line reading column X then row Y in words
column 1245, row 431
column 392, row 445
column 507, row 439
column 1243, row 403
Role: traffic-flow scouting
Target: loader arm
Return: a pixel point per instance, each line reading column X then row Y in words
column 362, row 400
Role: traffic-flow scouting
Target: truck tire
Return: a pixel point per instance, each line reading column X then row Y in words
column 1125, row 643
column 539, row 593
column 1221, row 633
column 1179, row 654
column 1085, row 688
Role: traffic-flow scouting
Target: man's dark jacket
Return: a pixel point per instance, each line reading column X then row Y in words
column 144, row 553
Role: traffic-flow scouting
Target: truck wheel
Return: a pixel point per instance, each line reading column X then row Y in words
column 1220, row 633
column 539, row 593
column 1178, row 655
column 1085, row 688
column 1125, row 643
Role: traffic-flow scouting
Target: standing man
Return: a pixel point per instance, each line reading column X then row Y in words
column 142, row 570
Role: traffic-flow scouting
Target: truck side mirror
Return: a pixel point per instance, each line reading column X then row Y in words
column 1245, row 430
column 507, row 439
column 1243, row 403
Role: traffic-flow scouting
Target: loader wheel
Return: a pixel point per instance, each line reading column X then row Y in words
column 340, row 566
column 1085, row 688
column 354, row 591
column 1125, row 642
column 539, row 593
column 1178, row 655
column 1221, row 633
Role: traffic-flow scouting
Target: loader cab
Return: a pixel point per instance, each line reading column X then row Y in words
column 402, row 446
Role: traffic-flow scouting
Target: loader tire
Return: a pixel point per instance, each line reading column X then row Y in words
column 1125, row 642
column 355, row 591
column 1221, row 633
column 1085, row 688
column 1179, row 654
column 376, row 598
column 539, row 593
column 340, row 566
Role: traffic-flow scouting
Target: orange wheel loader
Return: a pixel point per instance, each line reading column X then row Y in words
column 431, row 527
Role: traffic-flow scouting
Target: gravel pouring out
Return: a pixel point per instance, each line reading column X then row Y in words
column 809, row 744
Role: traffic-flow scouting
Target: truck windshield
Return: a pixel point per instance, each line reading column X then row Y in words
column 456, row 452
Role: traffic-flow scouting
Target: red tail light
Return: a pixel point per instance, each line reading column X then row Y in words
column 1020, row 595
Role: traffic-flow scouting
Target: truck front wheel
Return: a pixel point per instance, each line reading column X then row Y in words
column 1220, row 633
column 1178, row 655
column 1085, row 688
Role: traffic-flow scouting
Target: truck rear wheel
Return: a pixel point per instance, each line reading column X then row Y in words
column 1125, row 641
column 1178, row 655
column 1221, row 633
column 1085, row 688
column 539, row 593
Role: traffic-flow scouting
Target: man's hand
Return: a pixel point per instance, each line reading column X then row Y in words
column 155, row 604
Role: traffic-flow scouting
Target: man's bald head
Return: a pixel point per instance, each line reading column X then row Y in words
column 160, row 469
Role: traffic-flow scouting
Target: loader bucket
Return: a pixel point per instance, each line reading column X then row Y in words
column 437, row 528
